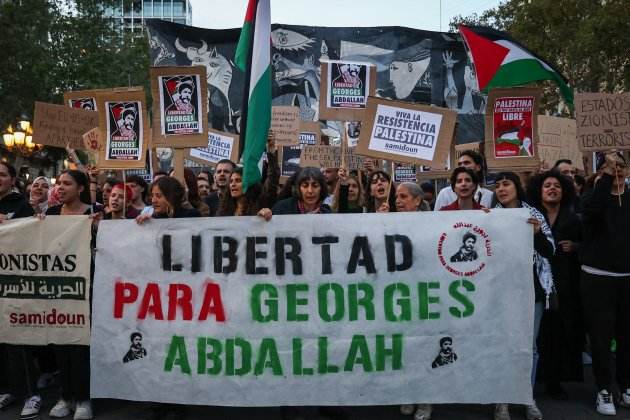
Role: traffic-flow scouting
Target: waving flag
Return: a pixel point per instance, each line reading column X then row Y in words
column 501, row 61
column 253, row 56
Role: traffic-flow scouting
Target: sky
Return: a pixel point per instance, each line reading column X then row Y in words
column 419, row 14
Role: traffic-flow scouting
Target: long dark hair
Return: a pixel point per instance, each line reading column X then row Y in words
column 193, row 189
column 534, row 190
column 371, row 202
column 228, row 204
column 83, row 181
column 173, row 191
column 514, row 178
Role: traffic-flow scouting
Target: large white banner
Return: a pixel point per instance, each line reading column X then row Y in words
column 363, row 309
column 45, row 280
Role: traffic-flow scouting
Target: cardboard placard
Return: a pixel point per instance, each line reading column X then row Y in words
column 87, row 99
column 603, row 121
column 93, row 144
column 219, row 145
column 345, row 88
column 285, row 124
column 180, row 106
column 125, row 129
column 310, row 133
column 405, row 132
column 330, row 157
column 512, row 128
column 60, row 126
column 557, row 140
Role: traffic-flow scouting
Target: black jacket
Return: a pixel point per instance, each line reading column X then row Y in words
column 180, row 213
column 606, row 229
column 16, row 204
column 290, row 206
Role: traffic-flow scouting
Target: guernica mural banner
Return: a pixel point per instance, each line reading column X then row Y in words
column 411, row 65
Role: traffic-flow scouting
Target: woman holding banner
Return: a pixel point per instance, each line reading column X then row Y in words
column 510, row 194
column 74, row 361
column 308, row 195
column 409, row 198
column 561, row 330
column 120, row 206
column 464, row 183
column 167, row 198
column 39, row 195
column 605, row 280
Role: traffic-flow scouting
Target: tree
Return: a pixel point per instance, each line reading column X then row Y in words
column 51, row 46
column 587, row 40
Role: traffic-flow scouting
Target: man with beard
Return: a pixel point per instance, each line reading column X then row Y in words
column 222, row 173
column 467, row 250
column 136, row 351
column 350, row 75
column 184, row 102
column 331, row 182
column 446, row 355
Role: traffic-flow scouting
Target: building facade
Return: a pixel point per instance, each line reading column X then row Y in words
column 130, row 14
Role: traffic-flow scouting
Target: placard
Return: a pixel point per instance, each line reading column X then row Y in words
column 404, row 173
column 87, row 99
column 353, row 131
column 60, row 126
column 558, row 140
column 125, row 128
column 330, row 157
column 345, row 88
column 93, row 144
column 603, row 121
column 512, row 128
column 45, row 280
column 180, row 106
column 220, row 145
column 310, row 133
column 236, row 311
column 285, row 124
column 408, row 133
column 290, row 160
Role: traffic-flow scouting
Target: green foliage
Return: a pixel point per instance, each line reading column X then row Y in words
column 50, row 46
column 587, row 40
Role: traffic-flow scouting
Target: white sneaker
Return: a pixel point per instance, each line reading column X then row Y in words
column 502, row 412
column 532, row 412
column 31, row 407
column 63, row 408
column 605, row 404
column 6, row 400
column 625, row 398
column 423, row 412
column 83, row 410
column 407, row 409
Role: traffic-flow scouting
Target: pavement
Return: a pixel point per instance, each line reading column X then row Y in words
column 580, row 406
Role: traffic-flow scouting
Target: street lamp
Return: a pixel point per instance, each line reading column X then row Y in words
column 20, row 139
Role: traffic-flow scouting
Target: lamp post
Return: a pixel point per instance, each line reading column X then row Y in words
column 20, row 138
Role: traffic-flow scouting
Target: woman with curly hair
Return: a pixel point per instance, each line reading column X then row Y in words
column 561, row 332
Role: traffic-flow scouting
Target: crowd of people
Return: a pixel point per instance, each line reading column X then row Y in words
column 580, row 264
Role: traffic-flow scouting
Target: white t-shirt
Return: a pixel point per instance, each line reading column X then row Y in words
column 446, row 196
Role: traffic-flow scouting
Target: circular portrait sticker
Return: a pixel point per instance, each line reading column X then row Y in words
column 464, row 249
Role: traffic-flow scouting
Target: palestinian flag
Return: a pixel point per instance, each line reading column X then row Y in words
column 500, row 61
column 253, row 57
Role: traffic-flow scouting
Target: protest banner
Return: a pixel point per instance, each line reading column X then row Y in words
column 310, row 133
column 125, row 128
column 215, row 316
column 180, row 106
column 60, row 126
column 558, row 140
column 345, row 88
column 285, row 124
column 330, row 157
column 512, row 128
column 405, row 132
column 86, row 99
column 219, row 145
column 45, row 280
column 603, row 121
